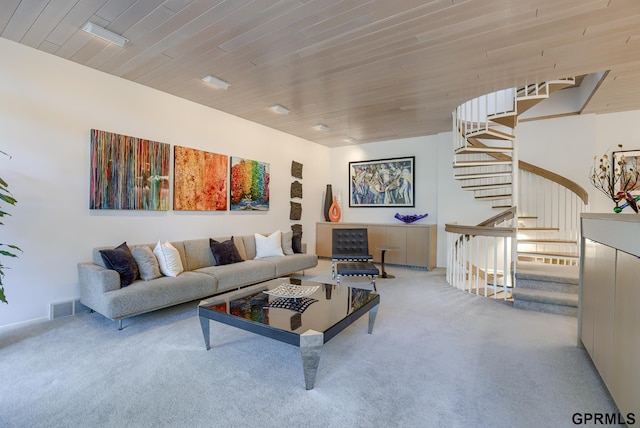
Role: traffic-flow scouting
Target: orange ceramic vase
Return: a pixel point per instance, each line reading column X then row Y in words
column 334, row 211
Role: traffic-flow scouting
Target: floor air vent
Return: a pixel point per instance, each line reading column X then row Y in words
column 65, row 309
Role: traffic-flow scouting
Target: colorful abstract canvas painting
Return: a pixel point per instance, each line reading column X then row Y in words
column 128, row 173
column 249, row 185
column 199, row 180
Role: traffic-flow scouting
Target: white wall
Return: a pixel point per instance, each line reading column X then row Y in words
column 611, row 130
column 426, row 178
column 48, row 107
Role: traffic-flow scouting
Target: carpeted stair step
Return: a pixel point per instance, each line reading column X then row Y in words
column 544, row 276
column 545, row 287
column 545, row 301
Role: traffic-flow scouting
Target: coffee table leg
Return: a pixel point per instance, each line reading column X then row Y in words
column 372, row 317
column 204, row 323
column 311, row 342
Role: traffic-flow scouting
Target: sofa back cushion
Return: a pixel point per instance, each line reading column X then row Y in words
column 198, row 254
column 249, row 242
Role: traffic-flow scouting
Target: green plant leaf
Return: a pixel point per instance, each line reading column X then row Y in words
column 2, row 296
column 8, row 199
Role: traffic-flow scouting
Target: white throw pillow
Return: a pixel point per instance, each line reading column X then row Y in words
column 168, row 259
column 268, row 246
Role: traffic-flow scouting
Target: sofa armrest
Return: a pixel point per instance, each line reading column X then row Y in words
column 96, row 279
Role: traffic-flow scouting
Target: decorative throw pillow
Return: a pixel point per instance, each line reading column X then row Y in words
column 147, row 262
column 268, row 246
column 121, row 260
column 225, row 252
column 168, row 259
column 296, row 242
column 286, row 243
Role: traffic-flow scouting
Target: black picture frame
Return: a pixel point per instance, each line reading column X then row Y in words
column 632, row 157
column 382, row 183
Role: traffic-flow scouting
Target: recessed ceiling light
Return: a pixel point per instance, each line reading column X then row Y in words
column 280, row 109
column 322, row 127
column 350, row 139
column 105, row 34
column 218, row 83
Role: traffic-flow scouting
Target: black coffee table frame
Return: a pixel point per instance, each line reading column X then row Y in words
column 310, row 341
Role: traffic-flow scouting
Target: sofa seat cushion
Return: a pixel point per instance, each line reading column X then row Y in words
column 289, row 264
column 158, row 293
column 240, row 274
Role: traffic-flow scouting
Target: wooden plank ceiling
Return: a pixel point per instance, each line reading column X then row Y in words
column 368, row 69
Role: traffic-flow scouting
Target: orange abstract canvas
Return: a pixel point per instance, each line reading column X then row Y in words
column 200, row 180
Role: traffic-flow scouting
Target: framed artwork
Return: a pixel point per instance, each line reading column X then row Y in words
column 630, row 180
column 128, row 173
column 382, row 183
column 249, row 182
column 199, row 180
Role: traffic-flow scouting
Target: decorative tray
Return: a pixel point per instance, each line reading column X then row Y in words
column 292, row 290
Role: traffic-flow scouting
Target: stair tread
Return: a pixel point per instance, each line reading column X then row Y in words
column 547, row 272
column 485, row 186
column 490, row 134
column 501, row 196
column 466, row 164
column 567, row 254
column 538, row 228
column 490, row 149
column 549, row 241
column 473, row 176
column 544, row 296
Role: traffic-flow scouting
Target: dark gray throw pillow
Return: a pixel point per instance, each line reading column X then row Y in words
column 225, row 252
column 121, row 260
column 296, row 242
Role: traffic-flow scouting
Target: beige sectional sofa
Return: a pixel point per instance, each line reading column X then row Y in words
column 101, row 289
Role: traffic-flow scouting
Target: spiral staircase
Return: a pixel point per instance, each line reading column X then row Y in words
column 528, row 252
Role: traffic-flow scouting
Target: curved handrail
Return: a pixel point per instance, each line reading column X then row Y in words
column 505, row 215
column 549, row 175
column 563, row 181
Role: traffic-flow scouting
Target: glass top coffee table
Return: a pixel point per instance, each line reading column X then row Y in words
column 302, row 313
